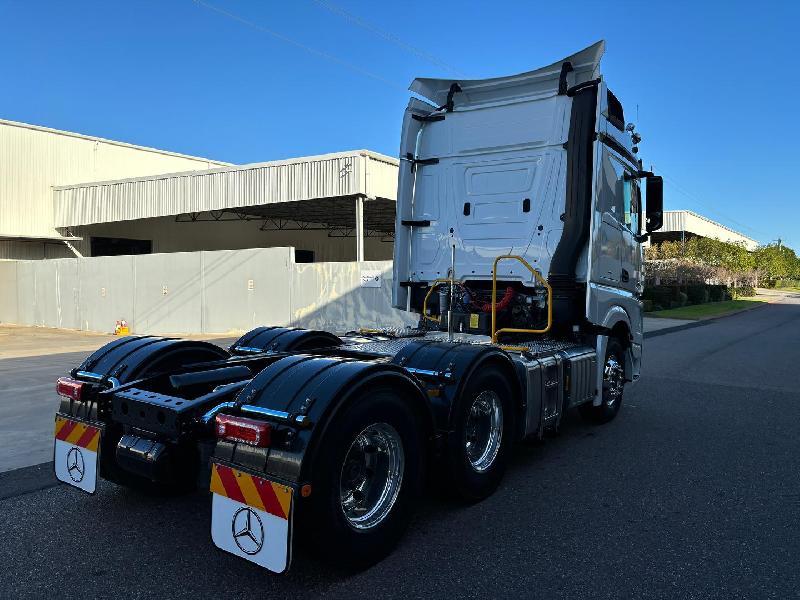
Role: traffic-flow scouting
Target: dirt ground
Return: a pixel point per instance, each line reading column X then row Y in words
column 17, row 341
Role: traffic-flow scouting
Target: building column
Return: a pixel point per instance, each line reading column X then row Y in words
column 359, row 228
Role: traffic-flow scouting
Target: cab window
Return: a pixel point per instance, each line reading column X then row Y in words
column 631, row 204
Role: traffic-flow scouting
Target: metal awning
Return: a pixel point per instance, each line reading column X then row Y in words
column 336, row 215
column 346, row 193
column 326, row 179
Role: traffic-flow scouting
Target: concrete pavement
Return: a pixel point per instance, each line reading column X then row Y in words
column 658, row 324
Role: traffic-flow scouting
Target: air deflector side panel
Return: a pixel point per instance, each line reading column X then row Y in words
column 568, row 298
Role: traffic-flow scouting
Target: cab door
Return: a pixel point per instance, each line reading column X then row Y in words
column 609, row 222
column 616, row 255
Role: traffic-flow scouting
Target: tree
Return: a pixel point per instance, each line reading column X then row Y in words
column 712, row 260
column 703, row 259
column 776, row 261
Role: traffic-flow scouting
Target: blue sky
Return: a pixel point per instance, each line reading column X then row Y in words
column 715, row 83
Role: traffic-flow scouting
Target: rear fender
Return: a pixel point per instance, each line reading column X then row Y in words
column 129, row 359
column 122, row 361
column 282, row 339
column 445, row 369
column 316, row 388
column 133, row 357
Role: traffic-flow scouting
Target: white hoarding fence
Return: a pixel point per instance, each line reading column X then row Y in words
column 224, row 291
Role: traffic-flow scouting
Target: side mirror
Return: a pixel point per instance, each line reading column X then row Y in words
column 655, row 203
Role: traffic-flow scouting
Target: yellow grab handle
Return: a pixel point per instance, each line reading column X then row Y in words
column 541, row 279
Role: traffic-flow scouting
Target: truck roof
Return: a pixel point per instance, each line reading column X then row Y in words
column 585, row 65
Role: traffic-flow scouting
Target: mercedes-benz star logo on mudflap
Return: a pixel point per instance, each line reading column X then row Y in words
column 248, row 531
column 75, row 465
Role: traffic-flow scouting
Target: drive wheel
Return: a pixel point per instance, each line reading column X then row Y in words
column 480, row 445
column 367, row 477
column 613, row 385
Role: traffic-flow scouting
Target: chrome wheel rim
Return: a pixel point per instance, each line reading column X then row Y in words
column 371, row 476
column 484, row 430
column 613, row 381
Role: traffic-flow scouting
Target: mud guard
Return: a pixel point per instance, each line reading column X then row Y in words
column 445, row 369
column 131, row 357
column 316, row 388
column 123, row 361
column 282, row 339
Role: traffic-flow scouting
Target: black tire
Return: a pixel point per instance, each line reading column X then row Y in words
column 467, row 481
column 612, row 402
column 327, row 530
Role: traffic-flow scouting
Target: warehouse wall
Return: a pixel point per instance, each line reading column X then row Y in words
column 34, row 159
column 196, row 292
column 329, row 296
column 169, row 236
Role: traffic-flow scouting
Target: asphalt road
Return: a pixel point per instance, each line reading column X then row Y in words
column 693, row 492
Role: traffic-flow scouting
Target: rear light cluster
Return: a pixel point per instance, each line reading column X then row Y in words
column 69, row 388
column 240, row 429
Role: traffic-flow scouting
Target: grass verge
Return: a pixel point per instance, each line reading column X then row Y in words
column 705, row 311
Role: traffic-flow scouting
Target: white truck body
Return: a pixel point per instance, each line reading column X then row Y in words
column 490, row 178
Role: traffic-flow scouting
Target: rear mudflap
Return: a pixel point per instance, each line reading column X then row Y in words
column 76, row 451
column 252, row 516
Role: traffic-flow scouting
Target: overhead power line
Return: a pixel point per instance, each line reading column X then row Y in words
column 389, row 37
column 319, row 53
column 715, row 212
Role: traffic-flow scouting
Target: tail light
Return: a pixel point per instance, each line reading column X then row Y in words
column 69, row 388
column 240, row 429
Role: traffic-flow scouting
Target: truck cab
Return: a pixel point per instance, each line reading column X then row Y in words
column 539, row 166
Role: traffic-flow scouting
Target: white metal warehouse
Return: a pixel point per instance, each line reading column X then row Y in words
column 178, row 244
column 33, row 159
column 64, row 194
column 684, row 224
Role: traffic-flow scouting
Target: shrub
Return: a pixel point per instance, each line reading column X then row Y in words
column 682, row 298
column 698, row 294
column 745, row 291
column 783, row 283
column 648, row 305
column 717, row 293
column 662, row 295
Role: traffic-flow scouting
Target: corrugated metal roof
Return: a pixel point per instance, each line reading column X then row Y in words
column 33, row 159
column 93, row 138
column 358, row 172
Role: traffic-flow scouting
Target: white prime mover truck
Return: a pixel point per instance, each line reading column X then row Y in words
column 518, row 242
